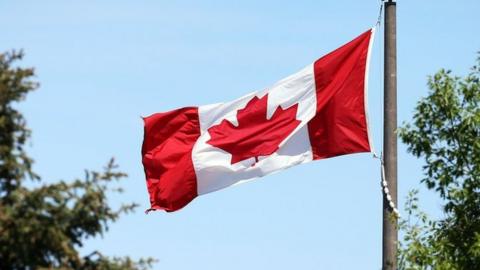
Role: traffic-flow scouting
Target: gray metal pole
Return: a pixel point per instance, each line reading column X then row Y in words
column 390, row 236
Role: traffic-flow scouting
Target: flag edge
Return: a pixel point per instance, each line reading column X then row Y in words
column 365, row 91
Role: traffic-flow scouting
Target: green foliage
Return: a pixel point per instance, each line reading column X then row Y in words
column 421, row 249
column 446, row 134
column 15, row 84
column 42, row 227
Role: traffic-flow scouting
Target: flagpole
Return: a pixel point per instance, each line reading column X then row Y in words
column 390, row 237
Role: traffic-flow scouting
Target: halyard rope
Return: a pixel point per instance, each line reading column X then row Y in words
column 385, row 190
column 379, row 19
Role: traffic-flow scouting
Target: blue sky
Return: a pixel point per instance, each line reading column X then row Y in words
column 103, row 64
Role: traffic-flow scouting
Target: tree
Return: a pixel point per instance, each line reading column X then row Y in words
column 42, row 227
column 445, row 133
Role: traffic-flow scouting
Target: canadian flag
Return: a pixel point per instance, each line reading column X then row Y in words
column 318, row 112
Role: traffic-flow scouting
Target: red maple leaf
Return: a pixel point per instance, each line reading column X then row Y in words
column 255, row 135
